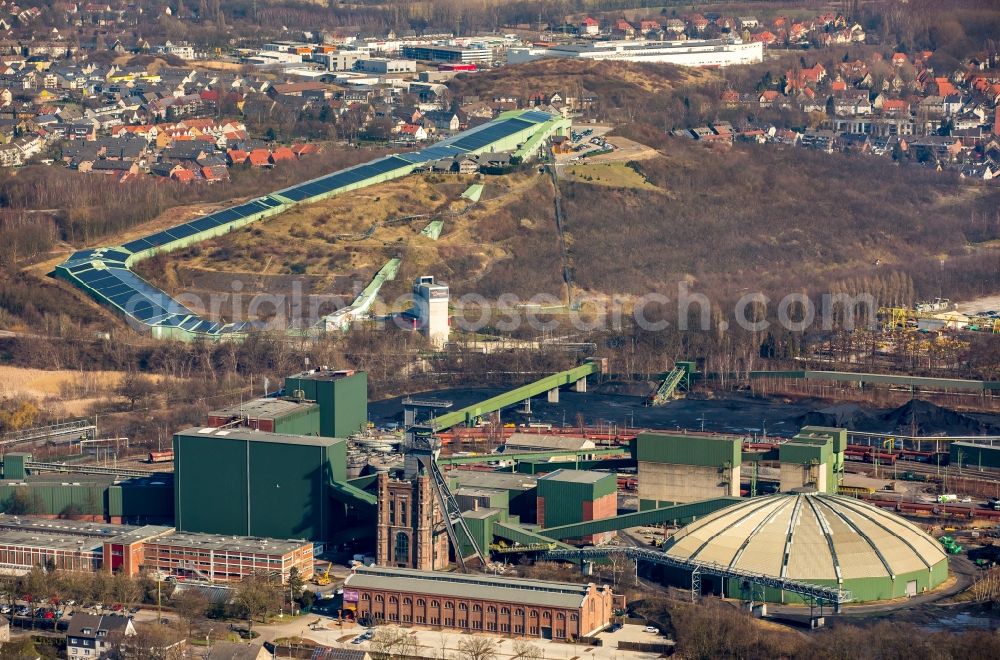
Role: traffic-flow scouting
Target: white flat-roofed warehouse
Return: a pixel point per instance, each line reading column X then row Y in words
column 713, row 52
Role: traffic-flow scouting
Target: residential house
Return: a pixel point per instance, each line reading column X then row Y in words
column 237, row 651
column 164, row 169
column 94, row 635
column 301, row 150
column 823, row 140
column 623, row 28
column 213, row 173
column 412, row 131
column 590, row 27
column 259, row 158
column 115, row 167
column 282, row 154
column 943, row 148
column 441, row 120
column 183, row 175
column 770, row 98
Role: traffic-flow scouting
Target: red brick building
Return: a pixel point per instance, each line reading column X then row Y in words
column 410, row 524
column 502, row 605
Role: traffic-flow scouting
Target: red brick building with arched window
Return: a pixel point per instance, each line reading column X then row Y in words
column 502, row 605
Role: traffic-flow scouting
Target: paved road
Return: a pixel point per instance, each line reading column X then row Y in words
column 963, row 570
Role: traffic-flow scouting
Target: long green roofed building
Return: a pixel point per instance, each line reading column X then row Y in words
column 105, row 273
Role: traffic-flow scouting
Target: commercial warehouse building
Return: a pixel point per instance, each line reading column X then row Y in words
column 96, row 497
column 454, row 54
column 72, row 545
column 710, row 53
column 225, row 558
column 974, row 456
column 471, row 603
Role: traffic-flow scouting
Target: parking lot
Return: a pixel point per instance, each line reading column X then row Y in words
column 437, row 644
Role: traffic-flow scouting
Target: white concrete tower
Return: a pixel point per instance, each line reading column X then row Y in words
column 431, row 302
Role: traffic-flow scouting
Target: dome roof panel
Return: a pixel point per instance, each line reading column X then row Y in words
column 828, row 533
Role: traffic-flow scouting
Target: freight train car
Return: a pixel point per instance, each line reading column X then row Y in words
column 160, row 457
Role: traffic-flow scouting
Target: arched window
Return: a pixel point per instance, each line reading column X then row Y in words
column 504, row 610
column 534, row 614
column 519, row 611
column 379, row 598
column 477, row 608
column 560, row 616
column 463, row 606
column 435, row 603
column 402, row 549
column 407, row 601
column 366, row 597
column 491, row 609
column 393, row 600
column 421, row 602
column 448, row 605
column 546, row 615
column 573, row 617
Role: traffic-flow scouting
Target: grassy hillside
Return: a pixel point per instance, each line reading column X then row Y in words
column 505, row 243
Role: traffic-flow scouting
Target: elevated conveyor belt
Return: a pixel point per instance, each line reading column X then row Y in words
column 524, row 536
column 349, row 494
column 470, row 414
column 883, row 379
column 667, row 388
column 528, row 455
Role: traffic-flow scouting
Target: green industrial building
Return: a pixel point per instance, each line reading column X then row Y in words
column 838, row 438
column 273, row 415
column 687, row 467
column 567, row 497
column 521, row 490
column 251, row 483
column 974, row 456
column 342, row 397
column 141, row 500
column 807, row 461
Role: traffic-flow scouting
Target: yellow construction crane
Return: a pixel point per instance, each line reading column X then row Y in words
column 323, row 579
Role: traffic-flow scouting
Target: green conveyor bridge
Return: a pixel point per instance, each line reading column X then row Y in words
column 669, row 385
column 680, row 513
column 470, row 414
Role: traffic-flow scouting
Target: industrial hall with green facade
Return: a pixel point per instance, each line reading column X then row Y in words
column 268, row 485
